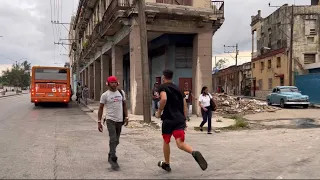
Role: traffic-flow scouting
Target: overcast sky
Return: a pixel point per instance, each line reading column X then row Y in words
column 28, row 33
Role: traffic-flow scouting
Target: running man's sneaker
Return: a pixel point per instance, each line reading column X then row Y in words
column 164, row 166
column 200, row 160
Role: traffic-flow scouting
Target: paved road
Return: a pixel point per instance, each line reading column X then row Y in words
column 59, row 142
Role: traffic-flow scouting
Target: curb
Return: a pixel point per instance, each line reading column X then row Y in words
column 12, row 95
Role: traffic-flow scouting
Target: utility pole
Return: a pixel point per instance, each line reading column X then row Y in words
column 144, row 61
column 237, row 51
column 291, row 47
column 236, row 74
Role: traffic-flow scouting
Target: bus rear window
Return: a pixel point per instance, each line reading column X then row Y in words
column 50, row 74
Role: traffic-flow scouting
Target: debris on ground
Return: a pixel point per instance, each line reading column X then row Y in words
column 233, row 105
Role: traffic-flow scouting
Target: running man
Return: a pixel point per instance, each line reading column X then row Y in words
column 173, row 108
column 113, row 103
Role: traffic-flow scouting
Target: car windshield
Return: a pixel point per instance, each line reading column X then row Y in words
column 289, row 90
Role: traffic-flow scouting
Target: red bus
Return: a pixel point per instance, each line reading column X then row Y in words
column 50, row 85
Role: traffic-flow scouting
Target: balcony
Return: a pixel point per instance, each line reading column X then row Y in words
column 85, row 13
column 218, row 8
column 102, row 28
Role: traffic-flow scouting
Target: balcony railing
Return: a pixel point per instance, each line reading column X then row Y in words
column 107, row 19
column 218, row 7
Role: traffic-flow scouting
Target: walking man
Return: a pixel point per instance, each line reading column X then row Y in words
column 173, row 108
column 114, row 108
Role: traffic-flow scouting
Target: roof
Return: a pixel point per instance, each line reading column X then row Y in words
column 282, row 87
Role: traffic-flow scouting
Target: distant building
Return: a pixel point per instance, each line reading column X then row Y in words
column 271, row 45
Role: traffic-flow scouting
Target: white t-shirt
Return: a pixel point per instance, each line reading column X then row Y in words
column 113, row 108
column 205, row 100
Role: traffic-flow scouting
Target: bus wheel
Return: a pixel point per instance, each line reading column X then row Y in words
column 36, row 104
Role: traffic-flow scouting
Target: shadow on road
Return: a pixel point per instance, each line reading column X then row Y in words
column 56, row 105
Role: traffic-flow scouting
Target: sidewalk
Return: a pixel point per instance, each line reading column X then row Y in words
column 10, row 93
column 193, row 124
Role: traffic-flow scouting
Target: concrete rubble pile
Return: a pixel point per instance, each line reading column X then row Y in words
column 233, row 105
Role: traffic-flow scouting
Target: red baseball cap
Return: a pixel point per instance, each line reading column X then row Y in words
column 112, row 79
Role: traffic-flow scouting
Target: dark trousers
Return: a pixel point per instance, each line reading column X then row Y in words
column 206, row 117
column 114, row 129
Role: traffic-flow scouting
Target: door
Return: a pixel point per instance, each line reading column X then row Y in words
column 158, row 80
column 254, row 87
column 281, row 81
column 186, row 83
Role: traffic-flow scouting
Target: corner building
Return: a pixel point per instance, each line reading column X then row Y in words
column 179, row 32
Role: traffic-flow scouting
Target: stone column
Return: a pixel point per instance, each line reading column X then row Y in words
column 90, row 80
column 136, row 96
column 117, row 64
column 97, row 79
column 105, row 61
column 202, row 65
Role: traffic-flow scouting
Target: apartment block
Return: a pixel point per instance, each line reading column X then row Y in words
column 271, row 46
column 179, row 33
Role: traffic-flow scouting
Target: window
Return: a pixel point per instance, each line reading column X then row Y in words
column 269, row 64
column 270, row 83
column 184, row 56
column 278, row 62
column 261, row 65
column 253, row 65
column 176, row 2
column 310, row 39
column 309, row 58
column 310, row 27
column 274, row 90
column 260, row 84
column 50, row 74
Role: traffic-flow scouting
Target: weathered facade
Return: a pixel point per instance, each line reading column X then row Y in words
column 245, row 77
column 271, row 46
column 179, row 35
column 227, row 80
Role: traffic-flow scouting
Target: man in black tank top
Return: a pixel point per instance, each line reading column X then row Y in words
column 173, row 113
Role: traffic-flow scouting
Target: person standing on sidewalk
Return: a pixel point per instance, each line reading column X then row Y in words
column 113, row 103
column 85, row 94
column 155, row 98
column 79, row 92
column 188, row 94
column 206, row 111
column 173, row 113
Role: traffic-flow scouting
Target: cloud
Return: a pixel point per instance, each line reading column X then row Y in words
column 28, row 33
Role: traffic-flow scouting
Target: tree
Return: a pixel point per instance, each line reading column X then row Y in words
column 221, row 63
column 18, row 76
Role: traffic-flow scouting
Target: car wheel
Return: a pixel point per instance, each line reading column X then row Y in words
column 282, row 105
column 305, row 106
column 269, row 102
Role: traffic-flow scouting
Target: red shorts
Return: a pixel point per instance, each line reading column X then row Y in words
column 176, row 129
column 177, row 134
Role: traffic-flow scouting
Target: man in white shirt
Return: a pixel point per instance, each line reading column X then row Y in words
column 113, row 104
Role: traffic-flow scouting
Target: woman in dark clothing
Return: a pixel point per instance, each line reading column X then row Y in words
column 206, row 111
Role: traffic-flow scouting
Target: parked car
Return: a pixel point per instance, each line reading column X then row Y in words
column 287, row 96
